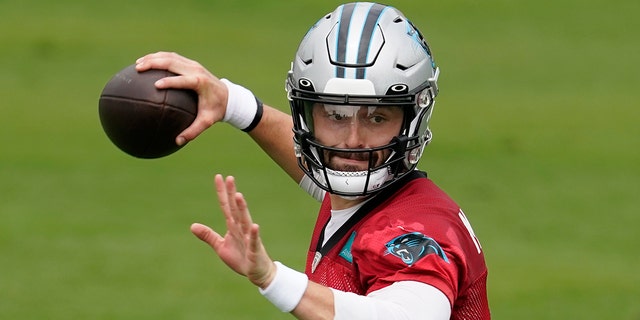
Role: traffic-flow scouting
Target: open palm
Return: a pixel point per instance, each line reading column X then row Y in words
column 241, row 247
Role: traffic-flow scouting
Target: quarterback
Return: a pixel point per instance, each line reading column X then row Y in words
column 388, row 242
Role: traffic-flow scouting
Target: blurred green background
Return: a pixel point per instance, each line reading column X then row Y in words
column 536, row 136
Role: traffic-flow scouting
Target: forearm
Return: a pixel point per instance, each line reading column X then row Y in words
column 405, row 300
column 291, row 291
column 274, row 134
column 316, row 304
column 400, row 301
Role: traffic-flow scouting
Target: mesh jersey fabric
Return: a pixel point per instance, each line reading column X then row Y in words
column 436, row 247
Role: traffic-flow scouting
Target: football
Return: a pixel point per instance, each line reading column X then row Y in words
column 140, row 119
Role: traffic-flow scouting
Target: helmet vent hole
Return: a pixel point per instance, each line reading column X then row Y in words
column 401, row 67
column 398, row 20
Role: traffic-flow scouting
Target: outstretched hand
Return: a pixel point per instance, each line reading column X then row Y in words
column 241, row 247
column 212, row 93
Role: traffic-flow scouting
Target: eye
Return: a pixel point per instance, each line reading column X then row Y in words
column 336, row 116
column 377, row 119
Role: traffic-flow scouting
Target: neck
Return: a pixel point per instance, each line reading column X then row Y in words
column 340, row 202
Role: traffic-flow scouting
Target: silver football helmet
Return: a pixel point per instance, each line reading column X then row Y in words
column 362, row 55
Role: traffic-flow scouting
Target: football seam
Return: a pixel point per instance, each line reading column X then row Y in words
column 158, row 104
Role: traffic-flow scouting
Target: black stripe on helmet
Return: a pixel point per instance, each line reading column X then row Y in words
column 367, row 34
column 343, row 34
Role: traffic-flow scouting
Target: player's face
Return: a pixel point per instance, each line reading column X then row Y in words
column 355, row 127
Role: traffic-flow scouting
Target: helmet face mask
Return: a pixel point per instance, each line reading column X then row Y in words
column 361, row 58
column 383, row 164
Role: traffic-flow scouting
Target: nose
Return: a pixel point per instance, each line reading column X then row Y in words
column 355, row 135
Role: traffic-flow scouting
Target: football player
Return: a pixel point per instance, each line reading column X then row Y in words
column 388, row 243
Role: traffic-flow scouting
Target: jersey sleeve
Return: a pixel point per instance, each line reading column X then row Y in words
column 400, row 301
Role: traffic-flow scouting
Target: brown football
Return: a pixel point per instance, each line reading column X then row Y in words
column 140, row 119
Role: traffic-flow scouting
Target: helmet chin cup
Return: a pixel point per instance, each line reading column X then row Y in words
column 353, row 183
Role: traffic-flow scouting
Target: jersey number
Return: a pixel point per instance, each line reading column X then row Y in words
column 466, row 223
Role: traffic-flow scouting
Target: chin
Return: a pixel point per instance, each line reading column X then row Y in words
column 351, row 198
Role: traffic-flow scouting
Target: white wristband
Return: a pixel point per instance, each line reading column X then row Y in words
column 244, row 110
column 286, row 289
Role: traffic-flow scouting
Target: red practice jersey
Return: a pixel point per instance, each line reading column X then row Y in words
column 412, row 232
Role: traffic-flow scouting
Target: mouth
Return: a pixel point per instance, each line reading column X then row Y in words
column 350, row 161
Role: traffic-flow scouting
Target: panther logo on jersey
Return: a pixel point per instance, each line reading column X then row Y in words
column 411, row 247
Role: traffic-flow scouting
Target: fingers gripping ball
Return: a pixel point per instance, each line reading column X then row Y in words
column 142, row 120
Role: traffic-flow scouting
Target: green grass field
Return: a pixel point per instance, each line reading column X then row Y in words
column 536, row 136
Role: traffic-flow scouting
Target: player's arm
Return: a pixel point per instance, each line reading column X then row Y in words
column 290, row 291
column 274, row 134
column 404, row 300
column 221, row 100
